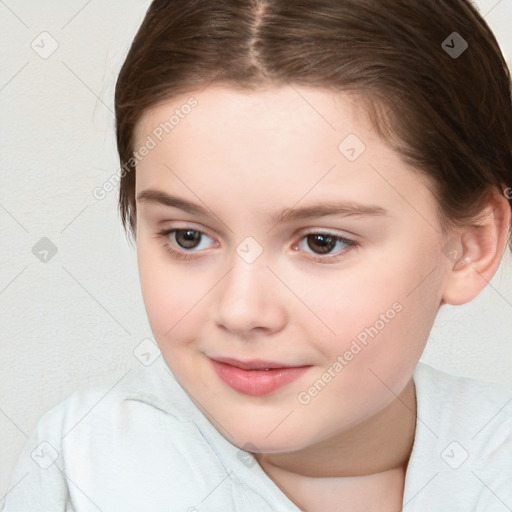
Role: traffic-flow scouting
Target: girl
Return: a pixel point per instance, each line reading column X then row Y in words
column 307, row 183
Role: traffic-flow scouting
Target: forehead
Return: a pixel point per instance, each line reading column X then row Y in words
column 277, row 107
column 288, row 142
column 253, row 131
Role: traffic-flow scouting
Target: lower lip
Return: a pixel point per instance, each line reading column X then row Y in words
column 257, row 382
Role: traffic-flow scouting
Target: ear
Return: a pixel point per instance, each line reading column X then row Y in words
column 480, row 250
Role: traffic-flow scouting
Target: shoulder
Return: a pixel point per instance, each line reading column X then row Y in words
column 446, row 383
column 464, row 407
column 464, row 398
column 136, row 395
column 463, row 440
column 128, row 445
column 102, row 415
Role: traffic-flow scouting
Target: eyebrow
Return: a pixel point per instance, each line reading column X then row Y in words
column 344, row 209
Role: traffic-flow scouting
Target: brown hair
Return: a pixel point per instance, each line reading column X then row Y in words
column 448, row 115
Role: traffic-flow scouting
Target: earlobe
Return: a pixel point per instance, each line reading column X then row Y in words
column 483, row 245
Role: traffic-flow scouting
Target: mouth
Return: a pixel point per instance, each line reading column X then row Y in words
column 256, row 377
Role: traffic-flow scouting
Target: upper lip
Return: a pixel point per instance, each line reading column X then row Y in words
column 254, row 364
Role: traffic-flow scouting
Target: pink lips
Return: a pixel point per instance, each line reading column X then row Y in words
column 256, row 377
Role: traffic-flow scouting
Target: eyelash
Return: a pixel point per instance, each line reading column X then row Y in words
column 187, row 255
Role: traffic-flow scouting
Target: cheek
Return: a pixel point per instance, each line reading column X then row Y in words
column 379, row 315
column 372, row 357
column 168, row 290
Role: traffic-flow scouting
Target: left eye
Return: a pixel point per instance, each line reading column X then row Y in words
column 323, row 243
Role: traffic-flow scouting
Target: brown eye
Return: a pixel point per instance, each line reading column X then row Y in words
column 325, row 247
column 321, row 243
column 187, row 238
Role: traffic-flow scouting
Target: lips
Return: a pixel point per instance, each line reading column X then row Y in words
column 254, row 364
column 256, row 377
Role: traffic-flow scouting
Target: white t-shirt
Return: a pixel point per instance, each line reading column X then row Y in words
column 143, row 446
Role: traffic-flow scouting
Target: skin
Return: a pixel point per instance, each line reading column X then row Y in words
column 246, row 156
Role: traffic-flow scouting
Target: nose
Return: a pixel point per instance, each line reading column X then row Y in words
column 248, row 299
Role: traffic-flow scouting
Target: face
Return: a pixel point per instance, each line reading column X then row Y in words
column 290, row 262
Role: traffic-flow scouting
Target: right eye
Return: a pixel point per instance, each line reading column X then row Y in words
column 183, row 242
